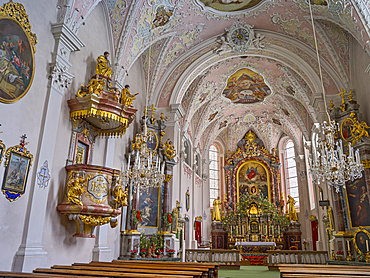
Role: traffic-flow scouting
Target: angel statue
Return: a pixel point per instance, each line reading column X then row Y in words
column 169, row 149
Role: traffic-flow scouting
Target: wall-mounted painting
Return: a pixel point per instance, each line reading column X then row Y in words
column 361, row 240
column 17, row 48
column 253, row 178
column 358, row 203
column 18, row 163
column 148, row 205
column 246, row 86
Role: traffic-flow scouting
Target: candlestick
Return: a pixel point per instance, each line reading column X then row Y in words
column 367, row 246
column 348, row 246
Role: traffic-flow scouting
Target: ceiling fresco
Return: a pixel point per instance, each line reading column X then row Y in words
column 272, row 86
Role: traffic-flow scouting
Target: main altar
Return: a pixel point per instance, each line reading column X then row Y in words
column 253, row 215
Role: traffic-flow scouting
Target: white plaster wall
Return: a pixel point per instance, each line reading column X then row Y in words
column 360, row 79
column 24, row 117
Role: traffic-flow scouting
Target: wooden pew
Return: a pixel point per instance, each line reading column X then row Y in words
column 129, row 269
column 212, row 267
column 97, row 273
column 4, row 274
column 305, row 271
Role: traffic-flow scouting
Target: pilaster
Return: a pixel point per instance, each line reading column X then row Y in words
column 31, row 253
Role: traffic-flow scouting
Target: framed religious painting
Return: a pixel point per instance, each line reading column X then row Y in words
column 175, row 220
column 253, row 178
column 17, row 50
column 17, row 165
column 361, row 239
column 149, row 202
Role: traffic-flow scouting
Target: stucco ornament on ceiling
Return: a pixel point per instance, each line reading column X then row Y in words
column 246, row 86
column 239, row 38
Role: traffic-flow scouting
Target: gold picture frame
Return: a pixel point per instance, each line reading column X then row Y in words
column 2, row 149
column 17, row 53
column 361, row 240
column 18, row 163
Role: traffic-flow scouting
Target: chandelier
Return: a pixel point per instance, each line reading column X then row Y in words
column 147, row 171
column 330, row 163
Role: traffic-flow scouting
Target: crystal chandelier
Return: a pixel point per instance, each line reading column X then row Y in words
column 330, row 163
column 147, row 171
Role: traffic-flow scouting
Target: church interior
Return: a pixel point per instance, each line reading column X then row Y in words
column 196, row 131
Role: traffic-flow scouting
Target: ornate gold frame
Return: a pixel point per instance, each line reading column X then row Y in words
column 341, row 129
column 361, row 230
column 156, row 138
column 267, row 177
column 16, row 12
column 13, row 194
column 2, row 149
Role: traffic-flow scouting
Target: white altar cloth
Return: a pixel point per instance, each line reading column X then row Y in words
column 255, row 243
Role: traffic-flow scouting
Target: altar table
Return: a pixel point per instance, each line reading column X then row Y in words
column 255, row 252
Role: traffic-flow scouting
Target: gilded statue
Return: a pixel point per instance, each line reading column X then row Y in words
column 292, row 213
column 216, row 215
column 102, row 66
column 126, row 97
column 137, row 142
column 95, row 86
column 120, row 196
column 76, row 186
column 169, row 149
column 358, row 131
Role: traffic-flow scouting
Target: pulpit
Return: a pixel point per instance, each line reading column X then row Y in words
column 219, row 236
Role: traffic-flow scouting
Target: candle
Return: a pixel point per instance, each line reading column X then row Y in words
column 367, row 246
column 348, row 245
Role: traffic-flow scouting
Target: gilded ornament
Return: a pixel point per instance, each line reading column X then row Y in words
column 2, row 149
column 366, row 163
column 127, row 98
column 169, row 149
column 120, row 196
column 199, row 218
column 93, row 220
column 358, row 131
column 76, row 187
column 312, row 217
column 137, row 142
column 152, row 119
column 331, row 105
column 168, row 178
column 95, row 86
column 343, row 105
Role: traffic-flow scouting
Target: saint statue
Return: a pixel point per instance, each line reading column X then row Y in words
column 292, row 213
column 127, row 97
column 169, row 149
column 103, row 65
column 76, row 188
column 216, row 215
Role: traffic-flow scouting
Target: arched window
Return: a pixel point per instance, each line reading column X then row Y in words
column 291, row 172
column 213, row 174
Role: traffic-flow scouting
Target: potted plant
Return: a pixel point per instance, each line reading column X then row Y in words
column 143, row 252
column 339, row 255
column 133, row 253
column 171, row 252
column 361, row 257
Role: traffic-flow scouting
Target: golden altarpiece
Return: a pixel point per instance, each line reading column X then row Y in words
column 253, row 202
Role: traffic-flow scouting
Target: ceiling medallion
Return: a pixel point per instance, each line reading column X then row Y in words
column 239, row 38
column 229, row 6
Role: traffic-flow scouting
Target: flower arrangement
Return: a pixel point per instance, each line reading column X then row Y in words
column 133, row 252
column 171, row 251
column 137, row 217
column 340, row 252
column 361, row 257
column 167, row 217
column 143, row 251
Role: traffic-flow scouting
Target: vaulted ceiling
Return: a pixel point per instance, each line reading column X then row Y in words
column 225, row 87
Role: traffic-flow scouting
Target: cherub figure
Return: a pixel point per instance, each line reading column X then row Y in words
column 137, row 142
column 95, row 86
column 359, row 130
column 169, row 149
column 76, row 187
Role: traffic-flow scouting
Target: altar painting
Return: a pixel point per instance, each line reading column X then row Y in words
column 253, row 178
column 246, row 86
column 148, row 205
column 358, row 203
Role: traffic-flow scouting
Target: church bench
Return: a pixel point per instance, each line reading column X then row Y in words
column 98, row 273
column 323, row 270
column 213, row 267
column 128, row 269
column 4, row 274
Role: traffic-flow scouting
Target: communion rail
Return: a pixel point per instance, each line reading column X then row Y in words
column 276, row 257
column 225, row 257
